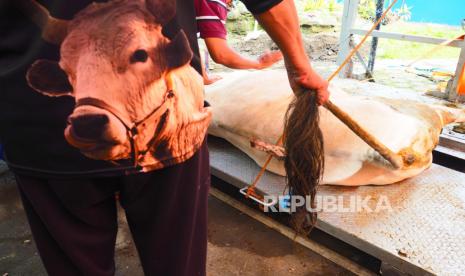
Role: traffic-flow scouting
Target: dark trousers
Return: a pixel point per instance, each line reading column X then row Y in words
column 74, row 222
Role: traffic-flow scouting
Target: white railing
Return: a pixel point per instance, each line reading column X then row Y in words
column 348, row 31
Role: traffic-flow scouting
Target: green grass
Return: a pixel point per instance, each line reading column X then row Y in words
column 321, row 5
column 396, row 49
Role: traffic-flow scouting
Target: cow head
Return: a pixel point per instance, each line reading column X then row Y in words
column 116, row 53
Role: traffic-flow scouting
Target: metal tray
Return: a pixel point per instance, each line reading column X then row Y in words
column 423, row 234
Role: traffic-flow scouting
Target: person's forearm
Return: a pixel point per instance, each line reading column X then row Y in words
column 221, row 53
column 281, row 23
column 234, row 60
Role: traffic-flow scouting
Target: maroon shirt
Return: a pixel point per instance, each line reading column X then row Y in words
column 211, row 18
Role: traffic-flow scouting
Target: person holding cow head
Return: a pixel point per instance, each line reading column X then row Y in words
column 105, row 98
column 211, row 19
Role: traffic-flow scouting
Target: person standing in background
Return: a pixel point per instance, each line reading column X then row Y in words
column 211, row 16
column 70, row 199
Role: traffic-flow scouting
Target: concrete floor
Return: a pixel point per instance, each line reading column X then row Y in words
column 237, row 245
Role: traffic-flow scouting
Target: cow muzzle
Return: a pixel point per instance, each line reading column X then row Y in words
column 97, row 134
column 99, row 137
column 89, row 127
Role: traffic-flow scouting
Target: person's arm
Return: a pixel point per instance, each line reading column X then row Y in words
column 281, row 23
column 207, row 78
column 221, row 53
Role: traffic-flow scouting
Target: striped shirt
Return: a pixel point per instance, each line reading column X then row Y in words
column 211, row 18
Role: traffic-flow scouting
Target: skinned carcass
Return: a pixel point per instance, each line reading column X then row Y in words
column 250, row 107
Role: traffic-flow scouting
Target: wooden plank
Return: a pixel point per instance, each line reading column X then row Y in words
column 407, row 37
column 452, row 93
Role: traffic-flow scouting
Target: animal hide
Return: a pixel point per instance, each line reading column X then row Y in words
column 250, row 106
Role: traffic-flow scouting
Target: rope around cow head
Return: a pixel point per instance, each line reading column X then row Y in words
column 133, row 128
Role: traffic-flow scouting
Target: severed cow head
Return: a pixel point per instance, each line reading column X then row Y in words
column 116, row 53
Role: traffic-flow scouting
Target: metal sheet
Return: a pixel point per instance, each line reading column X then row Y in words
column 423, row 233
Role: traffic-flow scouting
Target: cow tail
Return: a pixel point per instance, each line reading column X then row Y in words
column 304, row 161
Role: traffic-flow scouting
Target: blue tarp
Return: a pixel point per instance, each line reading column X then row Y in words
column 449, row 12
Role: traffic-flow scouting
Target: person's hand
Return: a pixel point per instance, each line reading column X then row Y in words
column 207, row 80
column 309, row 79
column 269, row 58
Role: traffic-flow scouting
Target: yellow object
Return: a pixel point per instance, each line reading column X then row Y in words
column 442, row 74
column 461, row 84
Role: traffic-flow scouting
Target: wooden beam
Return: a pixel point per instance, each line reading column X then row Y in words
column 452, row 93
column 407, row 37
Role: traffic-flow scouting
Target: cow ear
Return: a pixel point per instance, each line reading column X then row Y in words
column 162, row 10
column 46, row 77
column 178, row 51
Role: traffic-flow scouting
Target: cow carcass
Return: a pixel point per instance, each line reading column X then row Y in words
column 251, row 107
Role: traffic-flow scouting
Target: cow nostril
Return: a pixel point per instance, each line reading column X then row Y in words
column 89, row 126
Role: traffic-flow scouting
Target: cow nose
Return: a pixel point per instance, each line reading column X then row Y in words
column 89, row 126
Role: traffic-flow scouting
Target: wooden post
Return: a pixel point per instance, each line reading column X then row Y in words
column 348, row 20
column 452, row 92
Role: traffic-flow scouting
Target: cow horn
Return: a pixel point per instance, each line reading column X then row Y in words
column 178, row 51
column 53, row 30
column 162, row 10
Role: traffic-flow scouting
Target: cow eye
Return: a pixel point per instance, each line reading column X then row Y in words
column 139, row 56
